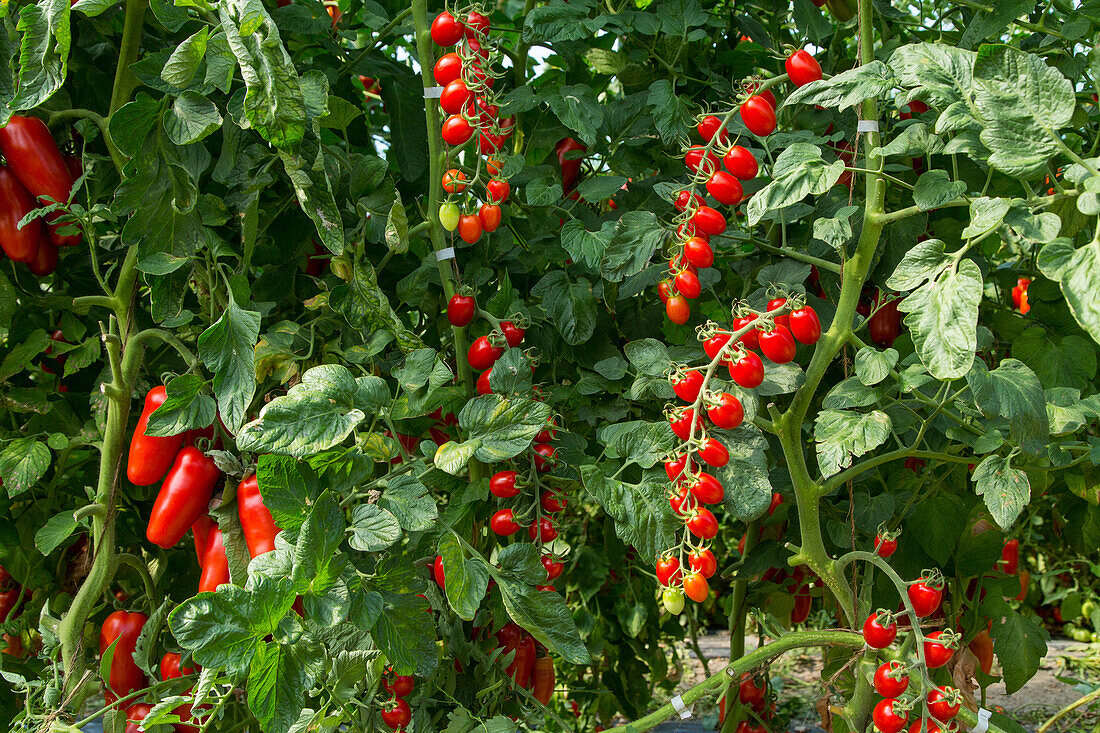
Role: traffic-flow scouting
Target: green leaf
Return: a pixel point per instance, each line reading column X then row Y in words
column 745, row 477
column 84, row 355
column 1080, row 281
column 365, row 307
column 643, row 517
column 466, row 579
column 56, row 530
column 228, row 348
column 935, row 189
column 186, row 59
column 598, row 188
column 842, row 435
column 511, row 374
column 305, row 166
column 799, row 171
column 556, row 21
column 317, row 564
column 405, row 633
column 578, row 109
column 1020, row 643
column 921, row 263
column 1021, row 103
column 873, row 366
column 670, row 113
column 942, row 73
column 1012, row 391
column 185, row 408
column 397, row 228
column 1068, row 361
column 191, row 118
column 638, row 441
column 410, row 502
column 273, row 102
column 23, row 462
column 943, row 320
column 373, row 528
column 496, row 428
column 546, row 617
column 1005, row 489
column 316, row 414
column 584, row 246
column 570, row 305
column 43, row 53
column 277, row 680
column 288, row 487
column 986, row 214
column 846, row 89
column 636, row 237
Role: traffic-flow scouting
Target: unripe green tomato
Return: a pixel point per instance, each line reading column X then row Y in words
column 1087, row 608
column 448, row 216
column 673, row 598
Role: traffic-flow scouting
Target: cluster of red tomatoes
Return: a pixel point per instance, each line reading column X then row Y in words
column 396, row 713
column 722, row 179
column 467, row 97
column 932, row 710
column 36, row 174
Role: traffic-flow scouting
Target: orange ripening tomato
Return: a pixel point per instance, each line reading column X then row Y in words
column 981, row 646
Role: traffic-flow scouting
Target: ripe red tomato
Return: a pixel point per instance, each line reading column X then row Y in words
column 1010, row 557
column 805, row 325
column 891, row 680
column 916, row 107
column 397, row 714
column 778, row 345
column 553, row 567
column 676, row 501
column 925, row 598
column 545, row 530
column 775, row 304
column 503, row 484
column 714, row 453
column 702, row 524
column 686, row 198
column 936, row 652
column 709, row 220
column 570, row 166
column 513, row 334
column 750, row 693
column 687, row 384
column 709, row 127
column 135, row 714
column 884, row 324
column 125, row 675
column 889, row 719
column 476, row 24
column 438, row 574
column 664, row 289
column 758, row 116
column 545, row 457
column 698, row 252
column 497, row 190
column 183, row 497
column 447, row 69
column 44, row 263
column 696, row 587
column 688, row 285
column 552, row 502
column 461, row 309
column 725, row 188
column 928, row 725
column 727, row 412
column 469, row 228
column 697, row 157
column 482, row 354
column 802, row 68
column 503, row 522
column 748, row 370
column 446, row 31
column 454, row 96
column 885, row 546
column 677, row 309
column 707, row 489
column 33, row 156
column 489, row 214
column 741, row 163
column 19, row 243
column 401, row 685
column 715, row 344
column 668, row 570
column 454, row 181
column 150, row 457
column 751, row 338
column 944, row 703
column 170, row 668
column 767, row 94
column 483, row 386
column 456, row 130
column 703, row 562
column 675, row 467
column 879, row 630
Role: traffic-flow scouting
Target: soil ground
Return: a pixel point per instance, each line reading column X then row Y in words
column 1052, row 688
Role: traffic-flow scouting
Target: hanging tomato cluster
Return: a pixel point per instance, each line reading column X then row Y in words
column 466, row 76
column 933, row 708
column 36, row 174
column 396, row 712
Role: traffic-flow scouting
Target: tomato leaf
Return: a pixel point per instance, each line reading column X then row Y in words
column 466, row 579
column 846, row 89
column 56, row 530
column 289, row 488
column 406, row 634
column 635, row 239
column 411, row 503
column 643, row 517
column 844, row 434
column 943, row 317
column 1005, row 489
column 317, row 564
column 799, row 171
column 1012, row 392
column 1019, row 642
column 745, row 477
column 873, row 366
column 277, row 678
column 23, row 462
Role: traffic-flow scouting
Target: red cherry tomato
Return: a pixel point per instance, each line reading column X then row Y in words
column 698, row 252
column 513, row 334
column 1010, row 557
column 545, row 457
column 727, row 413
column 483, row 386
column 891, row 680
column 551, row 502
column 553, row 567
column 758, row 116
column 668, row 571
column 454, row 181
column 750, row 693
column 778, row 345
column 490, row 216
column 503, row 522
column 397, row 714
column 775, row 304
column 751, row 339
column 469, row 228
column 503, row 485
column 709, row 220
column 925, row 598
column 702, row 524
column 461, row 310
column 696, row 587
column 497, row 190
column 456, row 130
column 687, row 384
column 401, row 685
column 709, row 127
column 802, row 68
column 714, row 453
column 545, row 531
column 885, row 547
column 889, row 717
column 698, row 156
column 741, row 163
column 748, row 370
column 805, row 325
column 681, row 422
column 715, row 344
column 944, row 703
column 703, row 562
column 879, row 632
column 447, row 69
column 454, row 97
column 706, row 489
column 677, row 309
column 446, row 31
column 675, row 468
column 482, row 354
column 936, row 652
column 476, row 24
column 688, row 285
column 725, row 188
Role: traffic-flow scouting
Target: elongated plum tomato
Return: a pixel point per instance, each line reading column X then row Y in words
column 503, row 484
column 805, row 325
column 476, row 23
column 483, row 386
column 713, row 453
column 709, row 127
column 257, row 524
column 778, row 345
column 685, row 198
column 674, row 468
column 748, row 370
column 447, row 69
column 698, row 252
column 668, row 570
column 677, row 309
column 45, row 261
column 497, row 190
column 775, row 304
column 727, row 412
column 725, row 188
column 34, row 158
column 741, row 163
column 446, row 31
column 802, row 68
column 696, row 587
column 673, row 600
column 715, row 344
column 490, row 215
column 697, row 156
column 751, row 338
column 456, row 130
column 461, row 309
column 19, row 243
column 449, row 214
column 150, row 457
column 183, row 497
column 170, row 668
column 703, row 562
column 681, row 422
column 702, row 524
column 709, row 220
column 123, row 628
column 706, row 489
column 513, row 334
column 758, row 116
column 482, row 354
column 469, row 228
column 503, row 522
column 687, row 384
column 688, row 285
